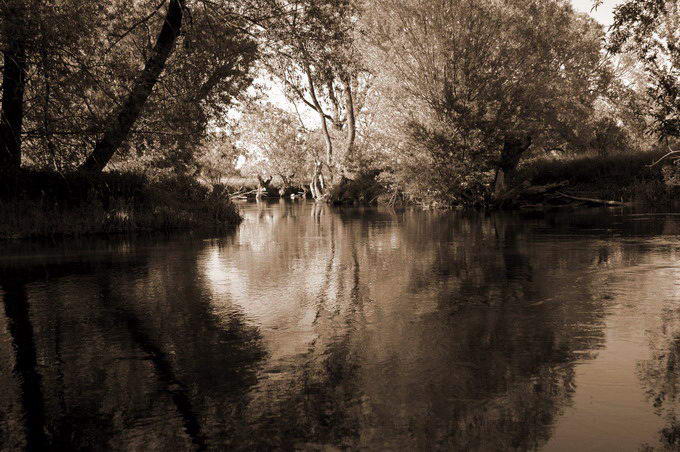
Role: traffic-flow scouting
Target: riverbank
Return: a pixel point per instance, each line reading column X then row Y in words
column 45, row 204
column 625, row 177
column 622, row 177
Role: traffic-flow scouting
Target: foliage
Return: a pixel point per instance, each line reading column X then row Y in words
column 84, row 57
column 310, row 49
column 470, row 75
column 40, row 203
column 363, row 189
column 625, row 176
column 442, row 96
column 276, row 145
column 651, row 30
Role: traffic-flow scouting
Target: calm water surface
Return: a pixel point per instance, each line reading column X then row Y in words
column 318, row 329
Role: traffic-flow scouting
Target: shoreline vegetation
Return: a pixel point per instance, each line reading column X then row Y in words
column 35, row 204
column 42, row 204
column 625, row 177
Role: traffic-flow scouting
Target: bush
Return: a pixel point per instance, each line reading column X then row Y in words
column 624, row 176
column 441, row 169
column 363, row 189
column 38, row 203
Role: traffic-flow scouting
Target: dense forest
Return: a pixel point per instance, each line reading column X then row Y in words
column 440, row 103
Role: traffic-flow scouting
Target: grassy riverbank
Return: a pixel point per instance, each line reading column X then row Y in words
column 625, row 177
column 44, row 204
column 619, row 177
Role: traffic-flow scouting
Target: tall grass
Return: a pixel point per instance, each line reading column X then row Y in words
column 621, row 176
column 41, row 204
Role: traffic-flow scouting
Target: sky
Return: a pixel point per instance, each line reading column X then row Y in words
column 602, row 14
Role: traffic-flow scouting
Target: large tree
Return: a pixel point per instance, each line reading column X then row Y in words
column 276, row 145
column 310, row 50
column 475, row 83
column 119, row 126
column 115, row 82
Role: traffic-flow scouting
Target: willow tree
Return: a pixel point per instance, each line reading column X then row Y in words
column 475, row 83
column 309, row 47
column 276, row 145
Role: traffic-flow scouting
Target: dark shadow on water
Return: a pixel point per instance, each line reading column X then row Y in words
column 16, row 305
column 99, row 319
column 162, row 364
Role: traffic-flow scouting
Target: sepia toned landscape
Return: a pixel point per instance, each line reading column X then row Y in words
column 324, row 225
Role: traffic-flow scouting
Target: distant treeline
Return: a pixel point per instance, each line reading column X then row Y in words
column 439, row 101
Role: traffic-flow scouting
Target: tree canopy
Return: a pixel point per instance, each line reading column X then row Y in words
column 443, row 98
column 651, row 30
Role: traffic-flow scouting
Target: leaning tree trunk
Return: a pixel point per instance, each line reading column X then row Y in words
column 513, row 149
column 13, row 83
column 324, row 128
column 120, row 127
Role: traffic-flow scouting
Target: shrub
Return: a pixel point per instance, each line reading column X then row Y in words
column 442, row 169
column 38, row 203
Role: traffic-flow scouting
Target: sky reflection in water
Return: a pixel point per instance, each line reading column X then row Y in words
column 311, row 328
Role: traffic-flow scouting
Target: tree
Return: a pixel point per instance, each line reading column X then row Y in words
column 84, row 89
column 276, row 145
column 474, row 84
column 119, row 128
column 14, row 29
column 310, row 49
column 218, row 157
column 650, row 29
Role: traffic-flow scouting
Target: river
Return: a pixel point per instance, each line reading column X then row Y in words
column 313, row 328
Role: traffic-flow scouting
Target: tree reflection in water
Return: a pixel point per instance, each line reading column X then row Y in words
column 309, row 328
column 660, row 376
column 135, row 357
column 25, row 365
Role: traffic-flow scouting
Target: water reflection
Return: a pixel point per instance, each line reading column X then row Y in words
column 311, row 328
column 25, row 365
column 660, row 372
column 131, row 354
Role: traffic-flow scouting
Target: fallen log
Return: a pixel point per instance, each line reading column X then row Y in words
column 526, row 192
column 242, row 194
column 542, row 189
column 603, row 202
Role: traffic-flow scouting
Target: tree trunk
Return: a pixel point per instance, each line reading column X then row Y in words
column 317, row 185
column 322, row 117
column 351, row 122
column 513, row 149
column 336, row 122
column 13, row 83
column 119, row 128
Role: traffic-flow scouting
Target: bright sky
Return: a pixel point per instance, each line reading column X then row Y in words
column 602, row 14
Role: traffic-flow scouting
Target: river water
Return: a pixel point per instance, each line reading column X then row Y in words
column 314, row 328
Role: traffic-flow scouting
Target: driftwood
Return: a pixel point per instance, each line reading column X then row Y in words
column 243, row 194
column 528, row 196
column 602, row 202
column 664, row 158
column 526, row 192
column 533, row 190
